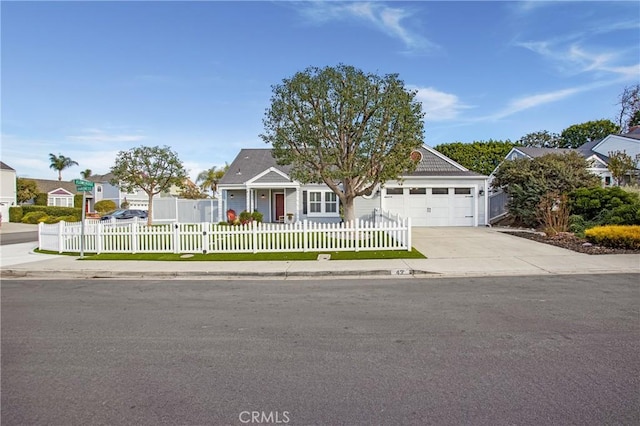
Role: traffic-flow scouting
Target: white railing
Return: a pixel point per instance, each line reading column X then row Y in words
column 136, row 237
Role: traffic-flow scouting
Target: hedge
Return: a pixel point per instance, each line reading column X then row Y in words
column 35, row 217
column 15, row 214
column 618, row 236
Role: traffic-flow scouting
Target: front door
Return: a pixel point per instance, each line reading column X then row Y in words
column 279, row 207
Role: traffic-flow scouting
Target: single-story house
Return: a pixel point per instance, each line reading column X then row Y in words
column 595, row 152
column 59, row 193
column 7, row 190
column 104, row 190
column 440, row 192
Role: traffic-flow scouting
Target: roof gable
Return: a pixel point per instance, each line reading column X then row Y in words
column 61, row 191
column 4, row 166
column 47, row 185
column 250, row 164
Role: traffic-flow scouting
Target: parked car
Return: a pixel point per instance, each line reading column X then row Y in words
column 125, row 214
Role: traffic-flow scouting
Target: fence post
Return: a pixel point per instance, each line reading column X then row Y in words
column 254, row 236
column 40, row 225
column 176, row 237
column 61, row 226
column 204, row 227
column 356, row 226
column 305, row 236
column 408, row 225
column 99, row 230
column 134, row 235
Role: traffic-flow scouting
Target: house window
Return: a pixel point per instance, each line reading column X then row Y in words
column 395, row 191
column 463, row 191
column 315, row 202
column 607, row 180
column 60, row 201
column 330, row 202
column 417, row 191
column 439, row 191
column 322, row 203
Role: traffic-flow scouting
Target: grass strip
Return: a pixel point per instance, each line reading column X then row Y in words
column 227, row 257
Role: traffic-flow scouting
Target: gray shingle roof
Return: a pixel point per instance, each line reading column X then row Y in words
column 433, row 164
column 251, row 162
column 4, row 166
column 248, row 164
column 100, row 178
column 47, row 185
column 535, row 152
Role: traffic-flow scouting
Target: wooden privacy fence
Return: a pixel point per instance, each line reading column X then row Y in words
column 137, row 237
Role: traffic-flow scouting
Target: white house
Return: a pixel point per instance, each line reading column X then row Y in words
column 7, row 190
column 440, row 192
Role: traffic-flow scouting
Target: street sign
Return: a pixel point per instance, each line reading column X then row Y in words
column 83, row 185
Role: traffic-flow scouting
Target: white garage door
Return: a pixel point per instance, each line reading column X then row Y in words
column 462, row 207
column 432, row 206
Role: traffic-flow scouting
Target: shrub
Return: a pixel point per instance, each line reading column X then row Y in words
column 618, row 236
column 61, row 218
column 591, row 203
column 105, row 206
column 257, row 216
column 245, row 217
column 35, row 217
column 41, row 199
column 77, row 200
column 54, row 211
column 15, row 214
column 553, row 213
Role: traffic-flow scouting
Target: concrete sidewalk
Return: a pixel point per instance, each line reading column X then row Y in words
column 450, row 252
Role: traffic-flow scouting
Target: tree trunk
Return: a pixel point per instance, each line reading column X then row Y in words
column 150, row 210
column 349, row 210
column 59, row 175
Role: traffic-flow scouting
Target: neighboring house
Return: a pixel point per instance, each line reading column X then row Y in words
column 59, row 193
column 104, row 190
column 595, row 152
column 7, row 190
column 440, row 192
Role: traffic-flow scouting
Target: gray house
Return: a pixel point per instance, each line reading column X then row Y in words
column 440, row 192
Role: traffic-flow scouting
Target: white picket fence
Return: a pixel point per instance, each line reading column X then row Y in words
column 304, row 236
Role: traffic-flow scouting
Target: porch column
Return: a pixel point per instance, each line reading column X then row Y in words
column 298, row 209
column 248, row 200
column 220, row 205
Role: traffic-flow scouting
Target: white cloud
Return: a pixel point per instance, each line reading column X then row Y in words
column 437, row 105
column 389, row 20
column 97, row 135
column 532, row 101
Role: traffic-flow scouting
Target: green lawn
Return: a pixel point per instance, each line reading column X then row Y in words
column 212, row 257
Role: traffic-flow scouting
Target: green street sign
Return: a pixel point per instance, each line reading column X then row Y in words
column 83, row 185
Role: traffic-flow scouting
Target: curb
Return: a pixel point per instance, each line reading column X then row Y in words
column 104, row 274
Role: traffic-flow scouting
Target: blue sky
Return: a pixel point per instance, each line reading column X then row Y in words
column 88, row 79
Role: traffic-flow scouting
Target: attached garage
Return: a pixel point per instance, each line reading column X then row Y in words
column 440, row 192
column 433, row 206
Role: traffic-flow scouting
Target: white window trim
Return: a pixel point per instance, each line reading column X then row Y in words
column 323, row 212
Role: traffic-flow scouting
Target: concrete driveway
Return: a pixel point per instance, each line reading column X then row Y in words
column 480, row 242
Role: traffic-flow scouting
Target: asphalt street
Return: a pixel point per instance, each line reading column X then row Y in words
column 18, row 237
column 493, row 350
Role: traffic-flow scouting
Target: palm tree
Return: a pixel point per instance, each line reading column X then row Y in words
column 60, row 162
column 86, row 173
column 209, row 179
